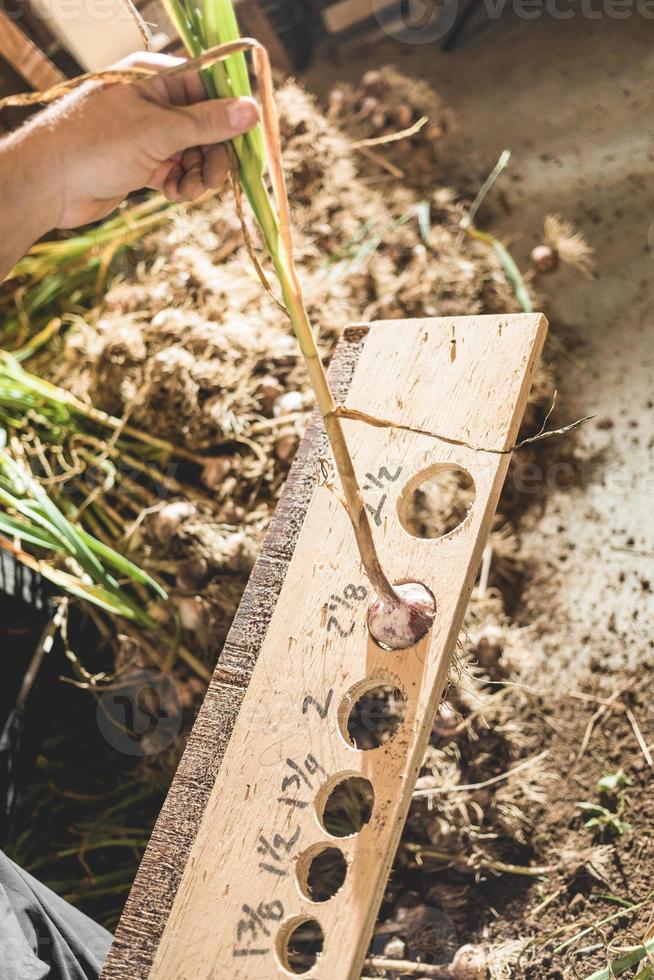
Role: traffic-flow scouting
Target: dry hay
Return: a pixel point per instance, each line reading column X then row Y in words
column 183, row 344
column 190, row 347
column 384, row 104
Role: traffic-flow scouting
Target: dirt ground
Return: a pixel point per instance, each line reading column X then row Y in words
column 572, row 100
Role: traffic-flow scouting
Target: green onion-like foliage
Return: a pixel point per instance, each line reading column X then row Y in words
column 71, row 481
column 62, row 552
column 201, row 26
column 68, row 273
column 100, row 472
column 204, row 25
column 27, row 400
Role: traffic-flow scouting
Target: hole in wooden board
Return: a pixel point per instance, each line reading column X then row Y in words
column 299, row 944
column 344, row 805
column 371, row 713
column 321, row 871
column 437, row 501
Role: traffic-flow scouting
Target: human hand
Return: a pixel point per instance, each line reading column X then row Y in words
column 105, row 140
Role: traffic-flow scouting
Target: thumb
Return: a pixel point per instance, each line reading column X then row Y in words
column 210, row 121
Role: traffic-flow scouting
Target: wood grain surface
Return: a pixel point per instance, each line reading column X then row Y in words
column 223, row 881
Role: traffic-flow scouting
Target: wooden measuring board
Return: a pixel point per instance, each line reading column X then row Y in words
column 223, row 882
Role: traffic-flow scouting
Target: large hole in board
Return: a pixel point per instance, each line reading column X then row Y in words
column 344, row 806
column 437, row 501
column 299, row 944
column 321, row 871
column 370, row 714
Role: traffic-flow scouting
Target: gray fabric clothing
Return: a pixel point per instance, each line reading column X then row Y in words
column 41, row 935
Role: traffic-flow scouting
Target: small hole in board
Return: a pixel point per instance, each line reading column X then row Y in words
column 371, row 713
column 321, row 871
column 437, row 501
column 344, row 806
column 299, row 944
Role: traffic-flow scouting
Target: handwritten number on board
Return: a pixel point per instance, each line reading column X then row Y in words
column 322, row 709
column 332, row 621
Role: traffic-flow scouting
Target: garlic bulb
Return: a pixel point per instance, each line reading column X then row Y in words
column 401, row 624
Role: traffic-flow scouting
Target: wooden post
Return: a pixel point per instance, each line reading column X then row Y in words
column 254, row 23
column 99, row 33
column 224, row 880
column 25, row 57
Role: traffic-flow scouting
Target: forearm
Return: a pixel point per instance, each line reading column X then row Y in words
column 28, row 195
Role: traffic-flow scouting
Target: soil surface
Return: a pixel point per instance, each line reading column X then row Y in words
column 572, row 100
column 596, row 872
